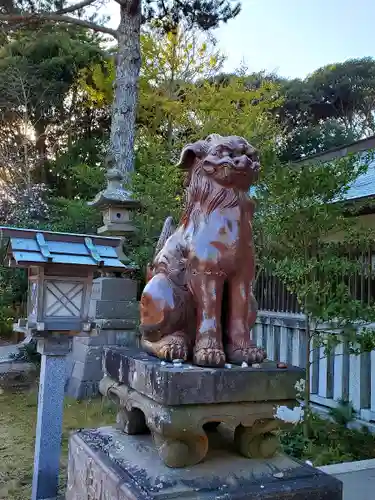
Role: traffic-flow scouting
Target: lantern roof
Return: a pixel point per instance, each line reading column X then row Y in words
column 28, row 247
column 114, row 195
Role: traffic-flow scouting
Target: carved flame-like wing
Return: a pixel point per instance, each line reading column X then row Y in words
column 167, row 231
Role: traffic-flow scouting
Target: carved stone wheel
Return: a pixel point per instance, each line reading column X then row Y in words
column 177, row 453
column 252, row 445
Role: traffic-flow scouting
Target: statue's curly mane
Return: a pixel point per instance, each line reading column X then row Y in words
column 204, row 196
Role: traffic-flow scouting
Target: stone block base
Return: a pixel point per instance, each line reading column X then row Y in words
column 17, row 375
column 85, row 362
column 106, row 463
column 81, row 389
column 114, row 310
column 179, row 431
column 177, row 404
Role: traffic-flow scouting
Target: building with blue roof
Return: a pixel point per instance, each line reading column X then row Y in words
column 364, row 185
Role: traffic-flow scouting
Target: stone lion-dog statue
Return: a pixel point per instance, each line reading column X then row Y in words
column 198, row 302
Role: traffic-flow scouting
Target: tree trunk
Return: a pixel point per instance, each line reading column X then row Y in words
column 41, row 148
column 125, row 97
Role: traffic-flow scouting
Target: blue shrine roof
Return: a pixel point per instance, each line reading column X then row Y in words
column 27, row 247
column 364, row 185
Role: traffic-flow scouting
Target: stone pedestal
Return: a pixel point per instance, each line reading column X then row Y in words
column 114, row 310
column 108, row 464
column 211, row 435
column 177, row 403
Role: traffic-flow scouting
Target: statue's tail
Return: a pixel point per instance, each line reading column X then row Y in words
column 167, row 231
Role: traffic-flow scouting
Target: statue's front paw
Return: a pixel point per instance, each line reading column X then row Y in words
column 170, row 347
column 174, row 349
column 209, row 356
column 250, row 355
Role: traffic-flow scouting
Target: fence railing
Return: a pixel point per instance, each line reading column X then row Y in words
column 272, row 294
column 338, row 375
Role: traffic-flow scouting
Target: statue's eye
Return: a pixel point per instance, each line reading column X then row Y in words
column 227, row 152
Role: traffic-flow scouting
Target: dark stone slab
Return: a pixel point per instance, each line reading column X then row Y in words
column 116, row 289
column 190, row 384
column 81, row 389
column 127, row 467
column 110, row 309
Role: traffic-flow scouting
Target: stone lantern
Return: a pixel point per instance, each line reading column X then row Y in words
column 114, row 301
column 116, row 205
column 61, row 268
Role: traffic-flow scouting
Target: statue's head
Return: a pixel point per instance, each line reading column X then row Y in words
column 230, row 161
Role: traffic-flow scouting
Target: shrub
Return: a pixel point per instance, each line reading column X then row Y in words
column 6, row 321
column 27, row 353
column 329, row 441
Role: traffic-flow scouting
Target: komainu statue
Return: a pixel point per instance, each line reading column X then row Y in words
column 198, row 302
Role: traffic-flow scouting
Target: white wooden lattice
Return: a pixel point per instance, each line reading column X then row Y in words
column 33, row 298
column 63, row 299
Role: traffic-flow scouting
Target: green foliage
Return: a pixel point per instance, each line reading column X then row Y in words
column 6, row 321
column 347, row 92
column 173, row 111
column 206, row 14
column 178, row 99
column 303, row 233
column 77, row 171
column 344, row 413
column 47, row 64
column 305, row 238
column 13, row 288
column 331, row 107
column 27, row 353
column 73, row 216
column 157, row 183
column 329, row 442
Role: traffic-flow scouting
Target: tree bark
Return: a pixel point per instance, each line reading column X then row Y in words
column 41, row 148
column 125, row 97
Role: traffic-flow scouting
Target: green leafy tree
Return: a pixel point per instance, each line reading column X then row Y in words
column 191, row 111
column 172, row 63
column 331, row 107
column 306, row 239
column 206, row 14
column 37, row 77
column 347, row 93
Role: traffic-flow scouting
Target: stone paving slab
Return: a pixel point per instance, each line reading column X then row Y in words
column 6, row 351
column 358, row 478
column 358, row 485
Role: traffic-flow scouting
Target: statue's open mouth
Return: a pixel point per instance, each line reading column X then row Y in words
column 227, row 165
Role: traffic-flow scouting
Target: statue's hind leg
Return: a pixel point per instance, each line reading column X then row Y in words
column 163, row 311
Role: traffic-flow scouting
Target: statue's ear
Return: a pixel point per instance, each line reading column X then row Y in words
column 190, row 152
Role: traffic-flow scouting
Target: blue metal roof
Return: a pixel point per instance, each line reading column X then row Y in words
column 364, row 185
column 26, row 247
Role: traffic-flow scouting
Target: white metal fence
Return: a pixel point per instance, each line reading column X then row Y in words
column 340, row 375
